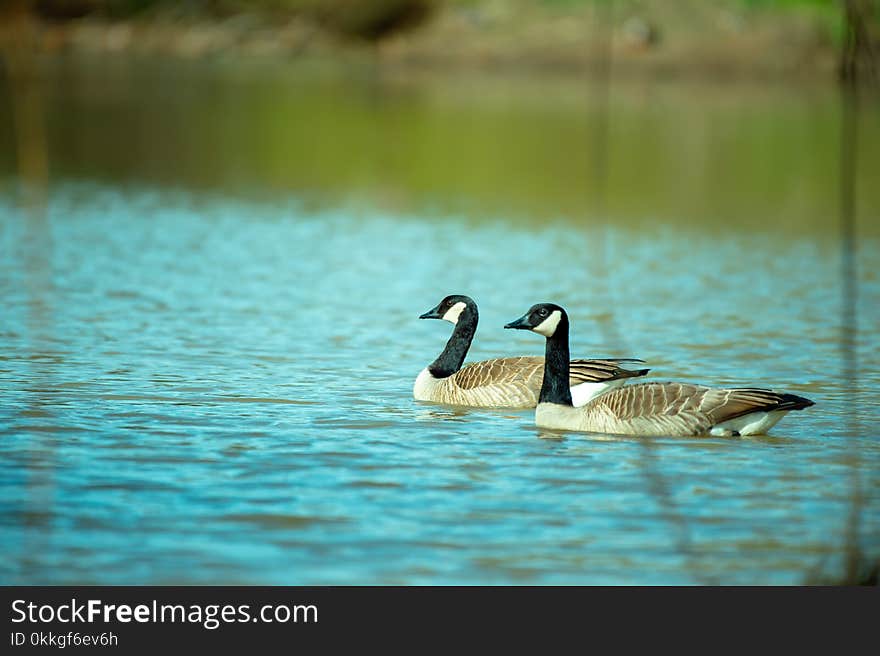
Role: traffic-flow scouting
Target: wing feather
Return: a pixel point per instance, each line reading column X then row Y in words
column 680, row 408
column 529, row 370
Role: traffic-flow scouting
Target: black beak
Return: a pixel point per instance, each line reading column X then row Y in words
column 520, row 324
column 433, row 313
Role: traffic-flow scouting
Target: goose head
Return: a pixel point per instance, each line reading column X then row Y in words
column 542, row 318
column 451, row 308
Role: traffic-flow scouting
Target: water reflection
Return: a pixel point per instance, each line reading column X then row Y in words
column 717, row 157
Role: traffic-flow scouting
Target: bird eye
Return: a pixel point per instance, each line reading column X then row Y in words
column 542, row 312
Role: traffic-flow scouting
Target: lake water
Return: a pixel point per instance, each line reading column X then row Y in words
column 209, row 333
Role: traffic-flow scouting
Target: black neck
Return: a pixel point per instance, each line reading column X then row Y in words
column 452, row 357
column 555, row 388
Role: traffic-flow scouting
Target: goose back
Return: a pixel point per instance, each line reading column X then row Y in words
column 673, row 409
column 515, row 382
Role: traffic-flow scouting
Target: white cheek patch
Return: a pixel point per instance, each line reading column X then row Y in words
column 548, row 326
column 454, row 312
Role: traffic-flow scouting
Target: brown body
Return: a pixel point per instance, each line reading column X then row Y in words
column 516, row 382
column 674, row 409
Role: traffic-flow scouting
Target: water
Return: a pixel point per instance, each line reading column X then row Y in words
column 206, row 371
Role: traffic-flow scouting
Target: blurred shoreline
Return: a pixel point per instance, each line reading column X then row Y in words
column 687, row 40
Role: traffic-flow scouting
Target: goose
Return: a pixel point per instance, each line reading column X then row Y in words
column 646, row 409
column 502, row 382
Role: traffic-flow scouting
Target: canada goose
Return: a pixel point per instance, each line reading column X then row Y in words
column 502, row 382
column 646, row 409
